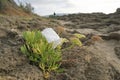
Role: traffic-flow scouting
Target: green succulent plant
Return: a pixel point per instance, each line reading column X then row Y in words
column 79, row 35
column 75, row 40
column 39, row 51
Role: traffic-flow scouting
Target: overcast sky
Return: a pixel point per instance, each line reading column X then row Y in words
column 46, row 7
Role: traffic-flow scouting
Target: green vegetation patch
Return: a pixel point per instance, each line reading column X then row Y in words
column 40, row 52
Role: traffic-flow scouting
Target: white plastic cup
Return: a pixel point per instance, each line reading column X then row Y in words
column 52, row 37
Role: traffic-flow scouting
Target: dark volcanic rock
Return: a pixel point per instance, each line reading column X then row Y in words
column 114, row 35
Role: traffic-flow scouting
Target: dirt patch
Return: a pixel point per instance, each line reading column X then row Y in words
column 13, row 64
column 80, row 64
column 117, row 51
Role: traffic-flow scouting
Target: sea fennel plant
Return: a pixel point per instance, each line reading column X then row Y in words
column 40, row 52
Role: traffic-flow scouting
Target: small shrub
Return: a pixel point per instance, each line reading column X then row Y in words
column 26, row 7
column 79, row 35
column 75, row 40
column 39, row 51
column 2, row 6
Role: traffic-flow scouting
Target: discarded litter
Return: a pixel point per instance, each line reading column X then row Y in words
column 52, row 37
